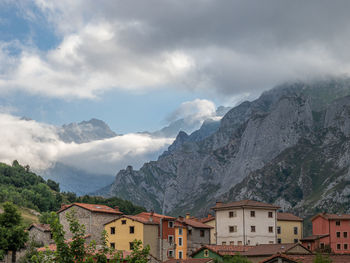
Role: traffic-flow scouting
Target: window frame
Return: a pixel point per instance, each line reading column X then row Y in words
column 270, row 229
column 112, row 230
column 253, row 229
column 133, row 229
column 252, row 213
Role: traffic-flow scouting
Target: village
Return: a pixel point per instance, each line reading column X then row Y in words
column 252, row 229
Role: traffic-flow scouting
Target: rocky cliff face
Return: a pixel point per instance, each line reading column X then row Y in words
column 289, row 147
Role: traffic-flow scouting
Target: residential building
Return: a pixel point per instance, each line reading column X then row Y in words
column 191, row 260
column 198, row 234
column 155, row 230
column 210, row 221
column 180, row 240
column 92, row 216
column 40, row 234
column 330, row 231
column 217, row 252
column 282, row 258
column 258, row 253
column 245, row 222
column 289, row 228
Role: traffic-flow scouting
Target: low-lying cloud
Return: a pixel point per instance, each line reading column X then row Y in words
column 38, row 145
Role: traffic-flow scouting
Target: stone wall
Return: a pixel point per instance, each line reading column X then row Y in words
column 40, row 237
column 195, row 241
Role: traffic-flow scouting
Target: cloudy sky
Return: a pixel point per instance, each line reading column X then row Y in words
column 138, row 64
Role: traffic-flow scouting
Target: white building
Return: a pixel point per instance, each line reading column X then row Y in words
column 245, row 222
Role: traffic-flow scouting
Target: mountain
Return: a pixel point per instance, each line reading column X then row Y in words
column 290, row 147
column 85, row 131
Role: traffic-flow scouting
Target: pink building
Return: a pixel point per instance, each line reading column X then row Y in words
column 329, row 230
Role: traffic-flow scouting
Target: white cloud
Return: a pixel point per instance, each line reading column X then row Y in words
column 194, row 111
column 38, row 145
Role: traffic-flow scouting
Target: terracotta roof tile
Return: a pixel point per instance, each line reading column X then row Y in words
column 224, row 249
column 137, row 218
column 195, row 223
column 288, row 217
column 333, row 216
column 244, row 203
column 309, row 258
column 190, row 260
column 207, row 219
column 271, row 249
column 93, row 208
column 313, row 237
column 42, row 227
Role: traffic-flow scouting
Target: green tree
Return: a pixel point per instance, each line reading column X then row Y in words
column 138, row 254
column 12, row 232
column 319, row 258
column 47, row 217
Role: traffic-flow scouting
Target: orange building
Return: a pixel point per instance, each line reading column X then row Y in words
column 180, row 240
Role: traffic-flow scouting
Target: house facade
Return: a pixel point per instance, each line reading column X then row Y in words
column 40, row 234
column 331, row 231
column 289, row 228
column 210, row 221
column 92, row 216
column 245, row 222
column 180, row 240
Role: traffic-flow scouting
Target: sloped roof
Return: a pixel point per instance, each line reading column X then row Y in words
column 288, row 217
column 42, row 227
column 271, row 249
column 93, row 208
column 190, row 260
column 155, row 217
column 313, row 237
column 207, row 219
column 336, row 258
column 195, row 223
column 224, row 249
column 244, row 203
column 137, row 218
column 333, row 216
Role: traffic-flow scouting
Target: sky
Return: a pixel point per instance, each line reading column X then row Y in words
column 135, row 64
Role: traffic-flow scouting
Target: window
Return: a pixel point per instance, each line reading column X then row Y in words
column 252, row 228
column 232, row 229
column 296, row 240
column 232, row 214
column 345, row 234
column 270, row 229
column 338, row 246
column 112, row 245
column 337, row 223
column 295, row 230
column 180, row 254
column 232, row 243
column 171, row 224
column 279, row 241
column 180, row 241
column 206, row 253
column 252, row 213
column 51, row 236
column 123, row 222
column 190, row 231
column 202, row 233
column 223, row 243
column 170, row 239
column 248, row 242
column 112, row 230
column 345, row 246
column 171, row 253
column 338, row 234
column 132, row 230
column 131, row 245
column 322, row 245
column 180, row 231
column 270, row 215
column 278, row 230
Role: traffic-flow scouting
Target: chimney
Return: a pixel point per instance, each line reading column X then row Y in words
column 181, row 218
column 116, row 208
column 151, row 216
column 187, row 215
column 218, row 203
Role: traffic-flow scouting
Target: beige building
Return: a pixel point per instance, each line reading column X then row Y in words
column 210, row 221
column 289, row 228
column 245, row 222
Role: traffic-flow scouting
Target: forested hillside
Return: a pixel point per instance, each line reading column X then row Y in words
column 26, row 189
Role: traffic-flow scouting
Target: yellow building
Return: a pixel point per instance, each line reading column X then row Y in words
column 124, row 230
column 289, row 228
column 180, row 241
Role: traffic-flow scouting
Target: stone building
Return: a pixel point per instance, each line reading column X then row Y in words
column 92, row 216
column 40, row 234
column 198, row 233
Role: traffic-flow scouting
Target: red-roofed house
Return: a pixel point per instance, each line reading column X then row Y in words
column 40, row 233
column 330, row 230
column 92, row 216
column 210, row 221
